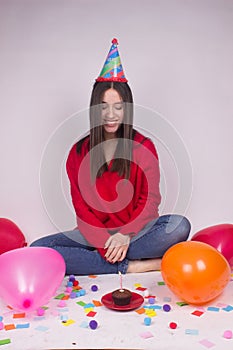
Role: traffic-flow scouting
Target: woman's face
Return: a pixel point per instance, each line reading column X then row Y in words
column 112, row 113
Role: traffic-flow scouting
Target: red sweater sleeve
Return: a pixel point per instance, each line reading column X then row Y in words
column 89, row 225
column 149, row 197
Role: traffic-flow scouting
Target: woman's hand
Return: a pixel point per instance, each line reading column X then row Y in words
column 117, row 246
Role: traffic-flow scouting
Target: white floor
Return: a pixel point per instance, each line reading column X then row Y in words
column 122, row 330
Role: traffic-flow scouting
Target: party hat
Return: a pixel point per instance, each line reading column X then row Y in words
column 112, row 69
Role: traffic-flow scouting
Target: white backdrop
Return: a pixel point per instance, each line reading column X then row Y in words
column 177, row 56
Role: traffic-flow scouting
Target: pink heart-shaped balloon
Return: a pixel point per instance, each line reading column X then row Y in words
column 30, row 276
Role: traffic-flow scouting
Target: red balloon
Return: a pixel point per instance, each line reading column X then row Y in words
column 220, row 237
column 10, row 236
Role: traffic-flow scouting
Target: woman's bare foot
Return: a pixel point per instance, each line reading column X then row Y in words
column 144, row 265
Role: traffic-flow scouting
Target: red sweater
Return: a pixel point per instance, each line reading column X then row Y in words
column 113, row 204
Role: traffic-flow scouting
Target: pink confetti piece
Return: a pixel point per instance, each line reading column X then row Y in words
column 208, row 344
column 146, row 335
column 221, row 305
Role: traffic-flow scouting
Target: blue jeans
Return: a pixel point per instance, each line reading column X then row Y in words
column 151, row 242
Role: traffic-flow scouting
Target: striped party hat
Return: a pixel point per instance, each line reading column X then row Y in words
column 112, row 69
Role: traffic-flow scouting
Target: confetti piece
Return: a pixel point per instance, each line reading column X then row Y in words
column 212, row 308
column 197, row 313
column 40, row 311
column 93, row 324
column 153, row 307
column 89, row 309
column 20, row 315
column 208, row 344
column 9, row 327
column 227, row 334
column 89, row 306
column 81, row 303
column 84, row 324
column 42, row 328
column 60, row 296
column 150, row 313
column 137, row 285
column 167, row 299
column 63, row 309
column 39, row 318
column 68, row 322
column 61, row 303
column 173, row 325
column 140, row 311
column 228, row 308
column 64, row 318
column 146, row 335
column 147, row 321
column 161, row 283
column 5, row 341
column 181, row 303
column 22, row 325
column 221, row 305
column 166, row 307
column 97, row 303
column 91, row 314
column 142, row 289
column 192, row 331
column 92, row 276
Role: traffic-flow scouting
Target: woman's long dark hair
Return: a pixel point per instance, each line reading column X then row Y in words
column 125, row 133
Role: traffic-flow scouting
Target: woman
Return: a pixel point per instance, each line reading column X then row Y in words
column 114, row 182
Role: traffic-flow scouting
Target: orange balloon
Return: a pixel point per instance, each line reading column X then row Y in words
column 195, row 271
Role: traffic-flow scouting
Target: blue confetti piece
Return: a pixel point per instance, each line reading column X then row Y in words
column 212, row 308
column 87, row 306
column 39, row 318
column 192, row 331
column 228, row 308
column 42, row 328
column 153, row 307
column 64, row 309
column 22, row 325
column 84, row 324
column 167, row 299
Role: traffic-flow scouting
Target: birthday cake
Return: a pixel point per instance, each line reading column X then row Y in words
column 121, row 297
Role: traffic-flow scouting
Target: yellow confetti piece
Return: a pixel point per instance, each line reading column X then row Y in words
column 150, row 313
column 136, row 285
column 88, row 309
column 68, row 322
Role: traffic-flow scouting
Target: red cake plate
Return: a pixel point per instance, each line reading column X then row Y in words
column 135, row 302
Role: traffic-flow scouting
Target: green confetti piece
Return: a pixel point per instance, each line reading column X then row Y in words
column 81, row 303
column 60, row 296
column 162, row 283
column 5, row 341
column 181, row 303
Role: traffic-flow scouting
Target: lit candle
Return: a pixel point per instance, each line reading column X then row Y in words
column 120, row 280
